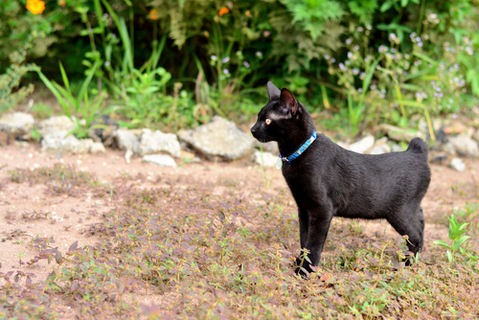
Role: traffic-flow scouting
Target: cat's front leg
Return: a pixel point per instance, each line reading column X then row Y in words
column 303, row 226
column 319, row 220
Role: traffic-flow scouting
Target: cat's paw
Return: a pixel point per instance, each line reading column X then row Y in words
column 303, row 267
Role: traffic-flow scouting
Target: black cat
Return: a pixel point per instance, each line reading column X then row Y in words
column 327, row 180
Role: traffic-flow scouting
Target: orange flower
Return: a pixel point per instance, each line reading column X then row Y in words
column 35, row 6
column 62, row 3
column 153, row 15
column 223, row 11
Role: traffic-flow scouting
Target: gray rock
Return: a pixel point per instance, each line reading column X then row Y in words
column 400, row 134
column 457, row 164
column 475, row 135
column 60, row 142
column 97, row 147
column 362, row 145
column 271, row 146
column 219, row 137
column 342, row 144
column 160, row 159
column 265, row 158
column 53, row 124
column 381, row 146
column 128, row 140
column 396, row 148
column 464, row 146
column 153, row 142
column 17, row 123
column 439, row 158
column 51, row 140
column 377, row 150
column 74, row 145
column 449, row 148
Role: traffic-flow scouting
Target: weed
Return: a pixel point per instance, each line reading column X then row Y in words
column 457, row 237
column 79, row 105
column 61, row 179
column 226, row 256
column 468, row 211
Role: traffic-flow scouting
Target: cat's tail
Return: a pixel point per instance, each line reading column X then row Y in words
column 418, row 146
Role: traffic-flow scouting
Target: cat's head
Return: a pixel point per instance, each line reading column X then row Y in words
column 281, row 117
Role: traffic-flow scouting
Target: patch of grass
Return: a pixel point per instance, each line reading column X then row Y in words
column 212, row 257
column 61, row 180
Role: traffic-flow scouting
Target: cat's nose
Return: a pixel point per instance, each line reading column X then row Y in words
column 253, row 129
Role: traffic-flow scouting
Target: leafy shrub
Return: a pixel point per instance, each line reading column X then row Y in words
column 10, row 94
column 223, row 51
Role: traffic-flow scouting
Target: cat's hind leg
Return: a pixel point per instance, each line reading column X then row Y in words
column 410, row 222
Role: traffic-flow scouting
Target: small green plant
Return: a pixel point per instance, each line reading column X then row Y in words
column 80, row 104
column 11, row 93
column 457, row 237
column 20, row 256
column 468, row 211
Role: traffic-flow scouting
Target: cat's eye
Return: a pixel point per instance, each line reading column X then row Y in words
column 267, row 121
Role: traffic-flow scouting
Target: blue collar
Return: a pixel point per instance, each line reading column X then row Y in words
column 300, row 150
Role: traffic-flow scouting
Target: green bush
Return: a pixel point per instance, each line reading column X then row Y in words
column 11, row 92
column 224, row 52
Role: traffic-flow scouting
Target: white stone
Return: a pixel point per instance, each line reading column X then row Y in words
column 97, row 147
column 362, row 145
column 400, row 134
column 377, row 150
column 219, row 137
column 74, row 145
column 465, row 145
column 156, row 141
column 17, row 121
column 396, row 148
column 381, row 146
column 54, row 124
column 457, row 164
column 128, row 140
column 265, row 158
column 475, row 136
column 160, row 159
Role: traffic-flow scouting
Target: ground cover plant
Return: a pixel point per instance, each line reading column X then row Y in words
column 216, row 256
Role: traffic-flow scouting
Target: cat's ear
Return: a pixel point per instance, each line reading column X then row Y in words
column 273, row 92
column 288, row 101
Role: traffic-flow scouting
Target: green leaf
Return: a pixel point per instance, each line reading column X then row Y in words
column 459, row 242
column 386, row 6
column 85, row 84
column 411, row 87
column 64, row 77
column 404, row 3
column 450, row 257
column 442, row 243
column 368, row 77
column 50, row 85
column 424, row 57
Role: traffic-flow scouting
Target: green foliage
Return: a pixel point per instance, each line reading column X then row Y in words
column 224, row 52
column 457, row 237
column 364, row 9
column 469, row 211
column 57, row 24
column 314, row 14
column 10, row 95
column 79, row 105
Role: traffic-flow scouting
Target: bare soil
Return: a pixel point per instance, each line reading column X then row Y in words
column 27, row 210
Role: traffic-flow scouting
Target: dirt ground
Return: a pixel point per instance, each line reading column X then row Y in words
column 64, row 218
